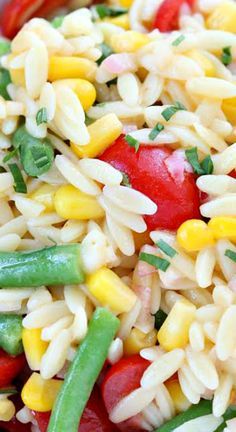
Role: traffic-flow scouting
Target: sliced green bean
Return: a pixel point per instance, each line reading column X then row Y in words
column 49, row 266
column 11, row 333
column 83, row 373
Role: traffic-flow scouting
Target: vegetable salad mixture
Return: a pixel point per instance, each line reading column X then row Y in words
column 118, row 216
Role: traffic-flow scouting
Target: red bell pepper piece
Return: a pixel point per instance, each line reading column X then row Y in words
column 167, row 15
column 10, row 367
column 148, row 172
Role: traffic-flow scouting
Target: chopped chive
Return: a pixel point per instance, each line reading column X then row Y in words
column 125, row 180
column 231, row 254
column 155, row 261
column 106, row 51
column 170, row 111
column 132, row 142
column 207, row 165
column 155, row 131
column 41, row 116
column 226, row 56
column 10, row 155
column 178, row 40
column 57, row 21
column 203, row 168
column 104, row 11
column 40, row 156
column 8, row 391
column 5, row 46
column 167, row 249
column 19, row 185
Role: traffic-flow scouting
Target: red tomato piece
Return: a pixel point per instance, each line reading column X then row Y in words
column 10, row 367
column 233, row 174
column 148, row 173
column 167, row 15
column 14, row 426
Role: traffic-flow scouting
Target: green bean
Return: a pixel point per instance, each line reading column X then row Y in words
column 49, row 266
column 10, row 333
column 83, row 373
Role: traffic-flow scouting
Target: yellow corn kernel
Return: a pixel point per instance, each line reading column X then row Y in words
column 175, row 329
column 71, row 203
column 84, row 90
column 181, row 403
column 229, row 109
column 126, row 3
column 71, row 67
column 204, row 62
column 111, row 291
column 194, row 235
column 223, row 227
column 129, row 41
column 138, row 340
column 7, row 410
column 223, row 17
column 39, row 394
column 120, row 21
column 102, row 134
column 44, row 195
column 34, row 347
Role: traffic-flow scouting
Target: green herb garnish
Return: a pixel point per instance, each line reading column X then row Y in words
column 104, row 11
column 41, row 116
column 160, row 318
column 207, row 165
column 155, row 261
column 167, row 249
column 226, row 56
column 231, row 254
column 203, row 168
column 5, row 79
column 19, row 185
column 10, row 155
column 170, row 111
column 155, row 131
column 178, row 40
column 57, row 21
column 132, row 142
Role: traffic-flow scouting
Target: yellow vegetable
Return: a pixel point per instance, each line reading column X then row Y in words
column 44, row 195
column 71, row 203
column 174, row 332
column 84, row 90
column 223, row 17
column 34, row 347
column 120, row 21
column 102, row 134
column 7, row 410
column 203, row 61
column 223, row 227
column 111, row 291
column 126, row 3
column 181, row 403
column 39, row 394
column 71, row 67
column 129, row 41
column 194, row 235
column 229, row 109
column 138, row 340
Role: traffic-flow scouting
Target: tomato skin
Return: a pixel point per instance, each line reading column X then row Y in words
column 148, row 173
column 233, row 174
column 10, row 367
column 167, row 15
column 15, row 426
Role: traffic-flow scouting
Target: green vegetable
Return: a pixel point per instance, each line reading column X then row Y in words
column 178, row 40
column 109, row 11
column 5, row 79
column 10, row 391
column 205, row 167
column 226, row 56
column 57, row 21
column 56, row 265
column 83, row 372
column 36, row 155
column 160, row 317
column 167, row 249
column 106, row 51
column 170, row 111
column 155, row 131
column 9, row 155
column 88, row 120
column 230, row 254
column 41, row 116
column 5, row 46
column 132, row 142
column 10, row 333
column 155, row 261
column 19, row 185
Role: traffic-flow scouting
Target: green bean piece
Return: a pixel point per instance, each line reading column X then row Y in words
column 83, row 372
column 49, row 266
column 11, row 333
column 5, row 79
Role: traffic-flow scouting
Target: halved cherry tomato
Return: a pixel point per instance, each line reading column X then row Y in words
column 148, row 173
column 167, row 15
column 10, row 367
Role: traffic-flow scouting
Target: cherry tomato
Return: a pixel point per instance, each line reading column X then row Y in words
column 148, row 173
column 10, row 367
column 15, row 426
column 233, row 174
column 167, row 15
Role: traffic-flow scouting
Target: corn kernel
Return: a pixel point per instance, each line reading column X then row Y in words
column 181, row 403
column 229, row 109
column 44, row 195
column 138, row 340
column 120, row 21
column 174, row 332
column 204, row 62
column 39, row 394
column 102, row 134
column 71, row 67
column 71, row 203
column 223, row 17
column 194, row 235
column 7, row 410
column 34, row 347
column 84, row 90
column 223, row 227
column 126, row 3
column 129, row 41
column 111, row 291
